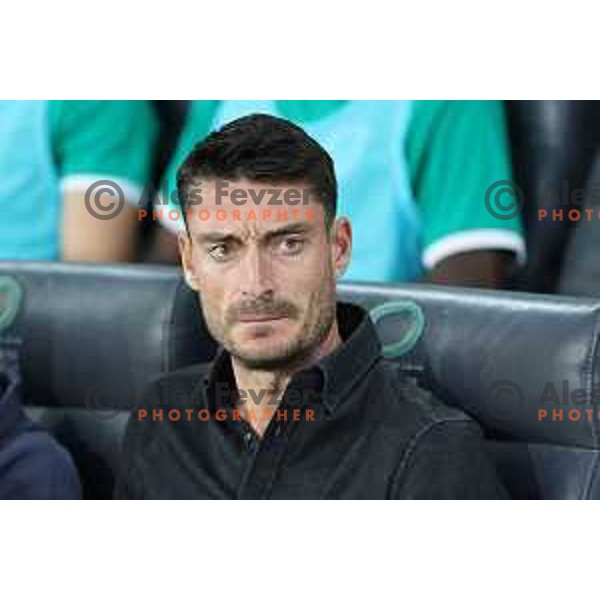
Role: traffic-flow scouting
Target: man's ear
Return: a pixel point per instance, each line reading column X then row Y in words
column 185, row 255
column 341, row 242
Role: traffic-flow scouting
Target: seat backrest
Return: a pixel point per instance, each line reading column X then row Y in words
column 89, row 337
column 171, row 115
column 504, row 357
column 553, row 145
column 580, row 274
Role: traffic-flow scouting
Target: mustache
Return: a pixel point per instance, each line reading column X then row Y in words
column 261, row 308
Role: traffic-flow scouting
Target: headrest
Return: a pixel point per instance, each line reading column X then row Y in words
column 502, row 357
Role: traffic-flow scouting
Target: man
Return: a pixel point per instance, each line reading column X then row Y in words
column 54, row 152
column 299, row 403
column 418, row 170
column 32, row 465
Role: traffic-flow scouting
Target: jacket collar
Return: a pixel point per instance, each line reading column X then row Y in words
column 337, row 373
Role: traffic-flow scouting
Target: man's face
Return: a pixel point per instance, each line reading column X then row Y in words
column 266, row 281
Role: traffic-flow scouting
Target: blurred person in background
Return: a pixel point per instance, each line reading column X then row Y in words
column 33, row 466
column 51, row 154
column 412, row 177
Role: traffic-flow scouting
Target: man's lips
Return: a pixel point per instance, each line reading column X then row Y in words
column 261, row 318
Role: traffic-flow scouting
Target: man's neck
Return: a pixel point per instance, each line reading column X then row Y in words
column 264, row 389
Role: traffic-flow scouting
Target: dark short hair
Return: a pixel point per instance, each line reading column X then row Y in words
column 261, row 147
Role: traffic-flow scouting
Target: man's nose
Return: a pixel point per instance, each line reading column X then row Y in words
column 255, row 273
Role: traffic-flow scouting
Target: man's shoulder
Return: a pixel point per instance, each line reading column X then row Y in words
column 406, row 400
column 180, row 385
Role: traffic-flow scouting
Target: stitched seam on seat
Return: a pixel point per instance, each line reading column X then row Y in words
column 589, row 385
column 168, row 328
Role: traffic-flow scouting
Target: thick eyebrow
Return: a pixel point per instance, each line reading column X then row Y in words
column 204, row 238
column 287, row 229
